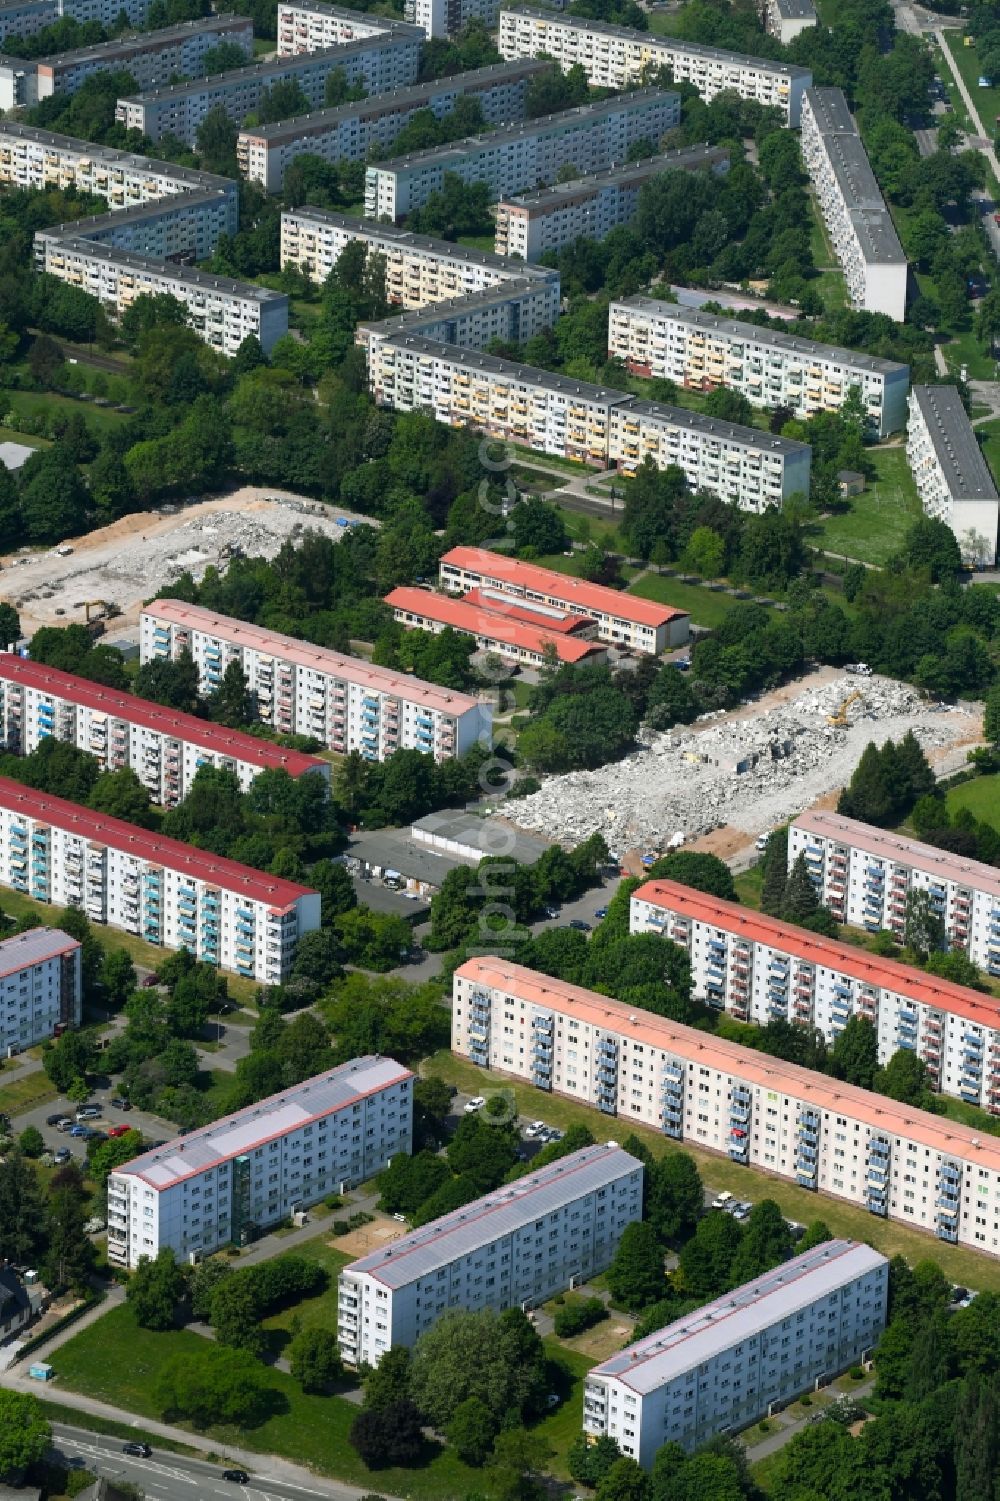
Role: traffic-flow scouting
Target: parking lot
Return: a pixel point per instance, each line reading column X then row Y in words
column 107, row 1119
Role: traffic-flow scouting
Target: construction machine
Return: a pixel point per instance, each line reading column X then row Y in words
column 840, row 718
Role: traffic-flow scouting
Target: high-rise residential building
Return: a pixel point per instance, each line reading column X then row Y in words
column 761, row 970
column 858, row 222
column 169, row 893
column 952, row 477
column 163, row 747
column 898, row 1162
column 444, row 18
column 309, row 690
column 587, row 138
column 771, row 369
column 23, row 18
column 151, row 57
column 226, row 1183
column 41, row 987
column 312, row 25
column 726, row 1365
column 546, row 219
column 785, row 19
column 513, row 1248
column 618, row 57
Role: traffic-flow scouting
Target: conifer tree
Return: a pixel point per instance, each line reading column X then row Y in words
column 800, row 900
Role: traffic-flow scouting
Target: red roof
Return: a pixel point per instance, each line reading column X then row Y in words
column 572, row 592
column 884, row 844
column 943, row 995
column 495, row 625
column 547, row 617
column 200, row 732
column 255, row 885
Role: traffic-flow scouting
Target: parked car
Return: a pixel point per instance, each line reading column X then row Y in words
column 552, row 912
column 121, row 1103
column 476, row 1103
column 64, row 1124
column 721, row 1200
column 601, row 912
column 119, row 1131
column 535, row 1129
column 238, row 1477
column 148, row 981
column 55, row 1120
column 79, row 1130
column 579, row 924
column 88, row 1113
column 138, row 1451
column 61, row 1156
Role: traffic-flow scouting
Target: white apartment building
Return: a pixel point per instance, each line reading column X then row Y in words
column 163, row 747
column 952, row 477
column 309, row 690
column 624, row 620
column 555, row 414
column 924, row 1170
column 513, row 1248
column 311, row 25
column 761, row 970
column 351, row 132
column 588, row 137
column 166, row 892
column 785, row 19
column 41, row 988
column 855, row 213
column 224, row 1184
column 222, row 311
column 448, row 17
column 701, row 351
column 719, row 1369
column 151, row 57
column 864, row 876
column 184, row 227
column 529, row 224
column 512, row 312
column 380, row 63
column 18, row 83
column 617, row 57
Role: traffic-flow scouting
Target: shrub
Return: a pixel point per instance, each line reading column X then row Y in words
column 579, row 1315
column 341, row 1227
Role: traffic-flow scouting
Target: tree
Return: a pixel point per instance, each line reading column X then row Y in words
column 590, row 1462
column 31, row 1142
column 931, row 544
column 626, row 1480
column 121, row 795
column 854, row 1055
column 675, row 1196
column 703, row 872
column 69, row 1254
column 118, row 978
column 537, row 528
column 905, row 1078
column 155, row 1290
column 388, row 1383
column 706, row 1259
column 767, row 1240
column 408, row 1181
column 215, row 1385
column 472, row 1430
column 25, row 1434
column 772, row 895
column 390, row 1437
column 104, row 1156
column 233, row 703
column 991, row 716
column 314, row 1357
column 236, row 1316
column 53, row 496
column 498, row 1358
column 216, row 143
column 635, row 1276
column 22, row 1231
column 800, row 899
column 204, row 1280
column 923, row 926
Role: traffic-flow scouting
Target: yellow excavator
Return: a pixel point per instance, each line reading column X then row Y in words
column 840, row 718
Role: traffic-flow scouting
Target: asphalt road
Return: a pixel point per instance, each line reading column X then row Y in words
column 153, row 1127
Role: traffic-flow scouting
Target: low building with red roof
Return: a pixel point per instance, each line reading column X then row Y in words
column 493, row 628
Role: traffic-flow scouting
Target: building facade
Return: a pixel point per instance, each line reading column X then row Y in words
column 22, row 18
column 512, row 311
column 184, row 227
column 864, row 876
column 899, row 1163
column 771, row 369
column 163, row 747
column 41, row 988
column 589, row 137
column 529, row 224
column 952, row 477
column 513, row 1248
column 623, row 620
column 617, row 57
column 223, row 1184
column 151, row 57
column 785, row 19
column 859, row 223
column 311, row 26
column 447, row 17
column 310, row 690
column 595, row 425
column 351, row 132
column 33, row 158
column 380, row 63
column 761, row 970
column 720, row 1369
column 518, row 635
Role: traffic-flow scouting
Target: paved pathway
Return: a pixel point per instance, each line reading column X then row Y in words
column 783, row 1431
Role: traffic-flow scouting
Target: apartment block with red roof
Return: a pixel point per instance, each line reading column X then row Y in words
column 624, row 620
column 309, row 690
column 166, row 892
column 899, row 1163
column 162, row 746
column 510, row 632
column 40, row 987
column 864, row 875
column 760, row 970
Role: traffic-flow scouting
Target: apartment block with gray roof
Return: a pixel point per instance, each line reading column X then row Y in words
column 952, row 477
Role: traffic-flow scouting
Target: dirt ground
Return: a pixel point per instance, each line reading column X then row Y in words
column 381, row 1232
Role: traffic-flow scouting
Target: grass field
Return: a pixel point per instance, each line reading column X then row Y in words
column 830, row 285
column 322, row 1309
column 981, row 796
column 988, row 434
column 957, row 1263
column 872, row 531
column 705, row 607
column 25, row 1093
column 27, row 440
column 47, row 403
column 987, row 101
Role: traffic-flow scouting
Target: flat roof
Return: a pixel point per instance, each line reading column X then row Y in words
column 34, row 947
column 880, row 1113
column 169, row 270
column 146, row 41
column 683, row 159
column 959, row 456
column 304, row 654
column 186, row 859
column 523, row 129
column 886, row 845
column 404, row 240
column 856, row 181
column 449, row 309
column 111, row 157
column 490, row 836
column 495, row 1215
column 656, row 41
column 150, row 716
column 575, row 593
column 796, row 10
column 812, row 948
column 344, row 13
column 247, row 1129
column 528, row 611
column 479, row 619
column 378, row 105
column 737, row 1316
column 772, row 338
column 175, row 205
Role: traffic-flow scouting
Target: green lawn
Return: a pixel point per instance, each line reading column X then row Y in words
column 987, row 101
column 965, row 348
column 322, row 1309
column 988, row 434
column 957, row 1262
column 830, row 284
column 479, row 242
column 705, row 607
column 550, row 461
column 25, row 1093
column 34, row 403
column 872, row 530
column 981, row 796
column 962, row 116
column 27, row 440
column 585, row 528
